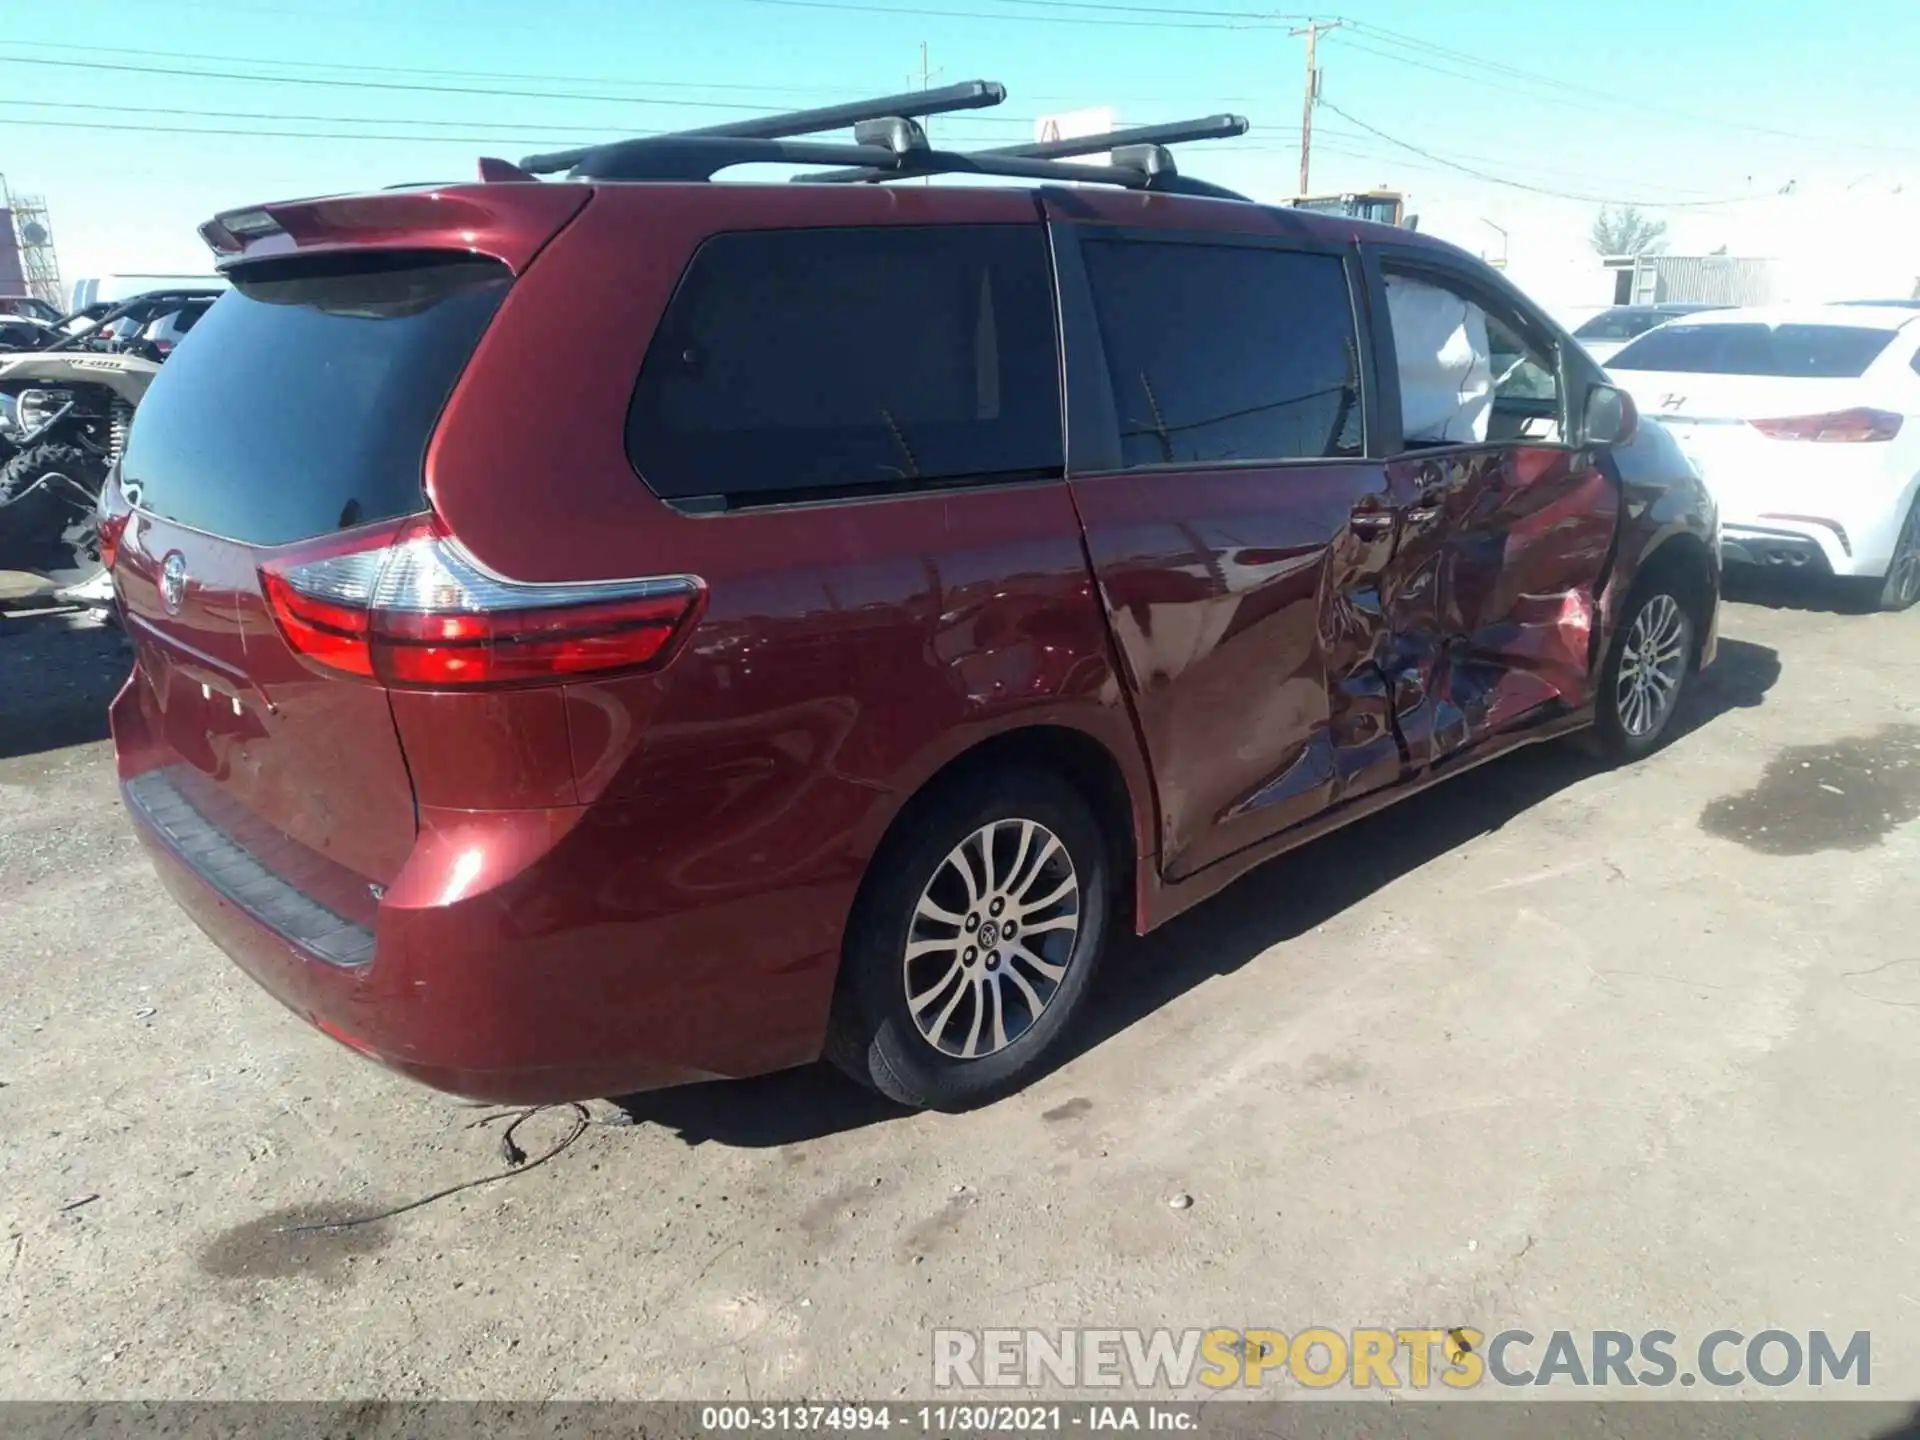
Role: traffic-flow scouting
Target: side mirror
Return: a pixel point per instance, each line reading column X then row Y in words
column 1611, row 418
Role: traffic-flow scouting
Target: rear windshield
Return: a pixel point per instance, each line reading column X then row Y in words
column 305, row 398
column 1805, row 352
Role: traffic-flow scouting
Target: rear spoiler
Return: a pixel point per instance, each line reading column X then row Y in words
column 506, row 222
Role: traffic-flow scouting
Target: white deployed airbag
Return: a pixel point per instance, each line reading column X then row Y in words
column 1446, row 368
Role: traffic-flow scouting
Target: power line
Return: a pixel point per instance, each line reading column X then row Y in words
column 151, row 54
column 371, row 84
column 920, row 13
column 1479, row 79
column 494, row 139
column 1587, row 176
column 1598, row 99
column 1521, row 184
column 1264, row 15
column 515, row 127
column 1370, row 151
column 492, row 92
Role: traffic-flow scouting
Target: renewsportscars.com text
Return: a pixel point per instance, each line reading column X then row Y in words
column 1459, row 1358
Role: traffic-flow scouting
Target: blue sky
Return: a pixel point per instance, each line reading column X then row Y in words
column 1661, row 103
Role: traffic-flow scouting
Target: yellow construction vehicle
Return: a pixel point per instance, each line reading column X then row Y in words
column 1384, row 207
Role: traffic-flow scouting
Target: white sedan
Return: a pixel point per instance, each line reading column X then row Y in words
column 1805, row 424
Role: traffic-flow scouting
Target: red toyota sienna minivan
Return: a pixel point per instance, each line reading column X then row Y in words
column 603, row 633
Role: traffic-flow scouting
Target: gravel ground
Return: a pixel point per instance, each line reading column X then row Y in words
column 1548, row 1047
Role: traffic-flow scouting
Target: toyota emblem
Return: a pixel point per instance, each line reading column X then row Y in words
column 173, row 581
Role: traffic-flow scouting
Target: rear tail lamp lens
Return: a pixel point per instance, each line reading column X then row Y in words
column 409, row 607
column 1842, row 427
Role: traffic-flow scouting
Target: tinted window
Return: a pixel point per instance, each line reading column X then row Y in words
column 306, row 398
column 1809, row 352
column 806, row 362
column 1222, row 353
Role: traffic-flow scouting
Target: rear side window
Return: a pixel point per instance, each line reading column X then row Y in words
column 1806, row 352
column 305, row 401
column 1224, row 353
column 795, row 364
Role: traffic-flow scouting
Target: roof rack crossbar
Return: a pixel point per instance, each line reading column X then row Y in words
column 889, row 143
column 1017, row 167
column 1173, row 132
column 701, row 157
column 967, row 95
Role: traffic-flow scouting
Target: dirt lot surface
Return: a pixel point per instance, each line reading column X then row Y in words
column 1549, row 1047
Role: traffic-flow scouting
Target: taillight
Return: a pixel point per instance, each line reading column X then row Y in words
column 1841, row 427
column 408, row 607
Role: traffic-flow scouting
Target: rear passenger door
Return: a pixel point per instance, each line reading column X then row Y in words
column 1217, row 453
column 1505, row 528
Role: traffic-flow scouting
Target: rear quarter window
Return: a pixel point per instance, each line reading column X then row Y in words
column 799, row 364
column 1807, row 352
column 307, row 396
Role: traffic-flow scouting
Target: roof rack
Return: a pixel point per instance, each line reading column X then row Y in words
column 889, row 143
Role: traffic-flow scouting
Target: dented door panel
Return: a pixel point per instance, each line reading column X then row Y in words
column 1490, row 596
column 1247, row 614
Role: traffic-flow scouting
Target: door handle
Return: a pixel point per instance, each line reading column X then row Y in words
column 1432, row 501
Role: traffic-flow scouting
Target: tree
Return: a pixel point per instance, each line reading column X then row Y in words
column 1627, row 232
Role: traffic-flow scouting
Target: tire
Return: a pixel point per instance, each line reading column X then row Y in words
column 1624, row 726
column 1901, row 585
column 918, row 895
column 47, row 522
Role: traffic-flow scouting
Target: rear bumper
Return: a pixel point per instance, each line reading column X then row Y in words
column 1842, row 523
column 505, row 962
column 1775, row 549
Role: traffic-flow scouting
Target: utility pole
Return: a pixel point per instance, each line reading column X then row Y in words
column 926, row 82
column 1313, row 31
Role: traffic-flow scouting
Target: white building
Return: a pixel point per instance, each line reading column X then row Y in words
column 1828, row 240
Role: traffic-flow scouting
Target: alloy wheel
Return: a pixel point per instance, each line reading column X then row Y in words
column 991, row 938
column 1651, row 666
column 1903, row 577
